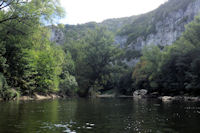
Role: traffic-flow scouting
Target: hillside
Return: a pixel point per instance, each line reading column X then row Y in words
column 158, row 51
column 61, row 35
column 161, row 27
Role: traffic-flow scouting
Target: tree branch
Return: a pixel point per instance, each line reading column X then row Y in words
column 1, row 3
column 7, row 19
column 6, row 4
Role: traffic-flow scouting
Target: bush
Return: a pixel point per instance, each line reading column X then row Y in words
column 5, row 91
column 10, row 94
column 68, row 86
column 3, row 84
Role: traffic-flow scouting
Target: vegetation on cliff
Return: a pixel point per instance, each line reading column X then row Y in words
column 145, row 24
column 175, row 69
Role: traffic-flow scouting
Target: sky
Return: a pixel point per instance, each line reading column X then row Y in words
column 82, row 11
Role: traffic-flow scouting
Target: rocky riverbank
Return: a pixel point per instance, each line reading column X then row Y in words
column 144, row 94
column 35, row 96
column 179, row 98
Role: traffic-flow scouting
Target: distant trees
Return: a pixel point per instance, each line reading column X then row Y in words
column 97, row 61
column 175, row 68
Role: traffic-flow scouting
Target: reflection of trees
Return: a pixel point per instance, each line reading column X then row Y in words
column 36, row 113
column 8, row 110
column 67, row 110
column 150, row 116
column 28, row 116
column 155, row 116
column 108, row 115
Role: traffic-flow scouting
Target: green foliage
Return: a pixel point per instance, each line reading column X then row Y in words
column 68, row 85
column 96, row 61
column 3, row 83
column 89, row 62
column 27, row 12
column 142, row 26
column 29, row 62
column 3, row 64
column 132, row 54
column 5, row 91
column 115, row 24
column 175, row 69
column 10, row 94
column 77, row 32
column 49, row 62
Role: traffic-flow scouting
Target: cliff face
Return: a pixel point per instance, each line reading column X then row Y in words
column 160, row 27
column 57, row 35
column 167, row 30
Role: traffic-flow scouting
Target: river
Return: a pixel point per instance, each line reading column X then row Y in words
column 99, row 116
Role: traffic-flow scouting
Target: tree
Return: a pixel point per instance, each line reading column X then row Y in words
column 24, row 10
column 95, row 57
column 29, row 61
column 146, row 71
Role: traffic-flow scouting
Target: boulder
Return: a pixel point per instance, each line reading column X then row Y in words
column 54, row 96
column 167, row 98
column 192, row 99
column 25, row 98
column 41, row 97
column 140, row 93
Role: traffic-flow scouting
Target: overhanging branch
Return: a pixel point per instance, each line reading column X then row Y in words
column 7, row 19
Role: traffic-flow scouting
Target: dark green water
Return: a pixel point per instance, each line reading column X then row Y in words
column 99, row 116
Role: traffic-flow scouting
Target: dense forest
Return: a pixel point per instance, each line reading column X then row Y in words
column 175, row 69
column 89, row 62
column 29, row 61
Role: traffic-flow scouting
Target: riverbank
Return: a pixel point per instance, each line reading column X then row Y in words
column 113, row 95
column 143, row 93
column 149, row 96
column 179, row 98
column 35, row 96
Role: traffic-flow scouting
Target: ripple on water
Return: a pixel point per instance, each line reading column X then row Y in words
column 66, row 126
column 69, row 127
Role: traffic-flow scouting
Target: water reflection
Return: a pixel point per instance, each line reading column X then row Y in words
column 99, row 116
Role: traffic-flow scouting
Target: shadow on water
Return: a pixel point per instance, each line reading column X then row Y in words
column 99, row 116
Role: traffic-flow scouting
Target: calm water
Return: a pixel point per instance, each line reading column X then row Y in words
column 99, row 116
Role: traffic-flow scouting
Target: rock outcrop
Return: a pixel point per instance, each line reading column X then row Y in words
column 169, row 28
column 57, row 35
column 166, row 29
column 140, row 93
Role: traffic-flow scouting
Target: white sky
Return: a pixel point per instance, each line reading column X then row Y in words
column 82, row 11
